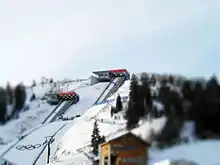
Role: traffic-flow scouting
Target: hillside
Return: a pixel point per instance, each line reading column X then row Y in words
column 174, row 124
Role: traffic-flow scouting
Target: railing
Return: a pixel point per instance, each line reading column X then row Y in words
column 103, row 91
column 116, row 86
column 62, row 110
column 45, row 120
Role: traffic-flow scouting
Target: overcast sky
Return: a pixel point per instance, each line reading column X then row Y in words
column 70, row 38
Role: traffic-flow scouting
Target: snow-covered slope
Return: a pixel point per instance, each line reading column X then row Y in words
column 35, row 140
column 38, row 111
column 201, row 152
column 88, row 96
column 74, row 151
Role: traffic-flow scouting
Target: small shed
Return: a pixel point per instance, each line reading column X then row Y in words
column 124, row 149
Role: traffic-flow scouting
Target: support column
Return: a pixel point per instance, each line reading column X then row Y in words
column 102, row 160
column 101, row 157
column 109, row 154
column 145, row 158
column 117, row 160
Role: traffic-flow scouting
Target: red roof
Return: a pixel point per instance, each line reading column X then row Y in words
column 118, row 70
column 67, row 93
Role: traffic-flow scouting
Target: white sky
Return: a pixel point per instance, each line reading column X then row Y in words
column 69, row 38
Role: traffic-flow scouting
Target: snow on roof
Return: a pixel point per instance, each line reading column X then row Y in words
column 143, row 132
column 202, row 152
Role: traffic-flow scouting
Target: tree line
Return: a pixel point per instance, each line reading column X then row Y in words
column 13, row 99
column 185, row 100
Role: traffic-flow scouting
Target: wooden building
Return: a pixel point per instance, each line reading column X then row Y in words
column 124, row 149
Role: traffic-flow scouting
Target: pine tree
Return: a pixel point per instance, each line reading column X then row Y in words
column 51, row 81
column 3, row 105
column 20, row 97
column 171, row 79
column 131, row 113
column 140, row 106
column 145, row 89
column 10, row 93
column 113, row 110
column 187, row 90
column 119, row 105
column 96, row 139
column 34, row 83
column 133, row 88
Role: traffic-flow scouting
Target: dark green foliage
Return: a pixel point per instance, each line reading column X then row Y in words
column 140, row 100
column 51, row 81
column 171, row 79
column 96, row 139
column 33, row 97
column 140, row 107
column 20, row 97
column 3, row 105
column 133, row 88
column 119, row 105
column 187, row 90
column 33, row 83
column 153, row 80
column 170, row 133
column 146, row 94
column 131, row 113
column 10, row 93
column 113, row 110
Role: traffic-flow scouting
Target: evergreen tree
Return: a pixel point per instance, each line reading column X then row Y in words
column 131, row 113
column 119, row 105
column 153, row 79
column 34, row 83
column 51, row 81
column 33, row 97
column 187, row 90
column 20, row 97
column 133, row 88
column 140, row 103
column 3, row 105
column 96, row 139
column 112, row 111
column 146, row 94
column 10, row 93
column 171, row 79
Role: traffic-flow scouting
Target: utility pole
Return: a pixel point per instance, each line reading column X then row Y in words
column 48, row 153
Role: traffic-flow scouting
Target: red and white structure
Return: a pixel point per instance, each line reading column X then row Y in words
column 108, row 75
column 68, row 96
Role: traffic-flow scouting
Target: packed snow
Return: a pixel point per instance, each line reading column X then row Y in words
column 72, row 143
column 88, row 96
column 38, row 111
column 37, row 139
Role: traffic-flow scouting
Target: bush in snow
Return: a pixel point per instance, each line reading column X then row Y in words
column 33, row 97
column 112, row 111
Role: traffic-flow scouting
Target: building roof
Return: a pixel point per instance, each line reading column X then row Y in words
column 111, row 71
column 124, row 133
column 100, row 72
column 67, row 93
